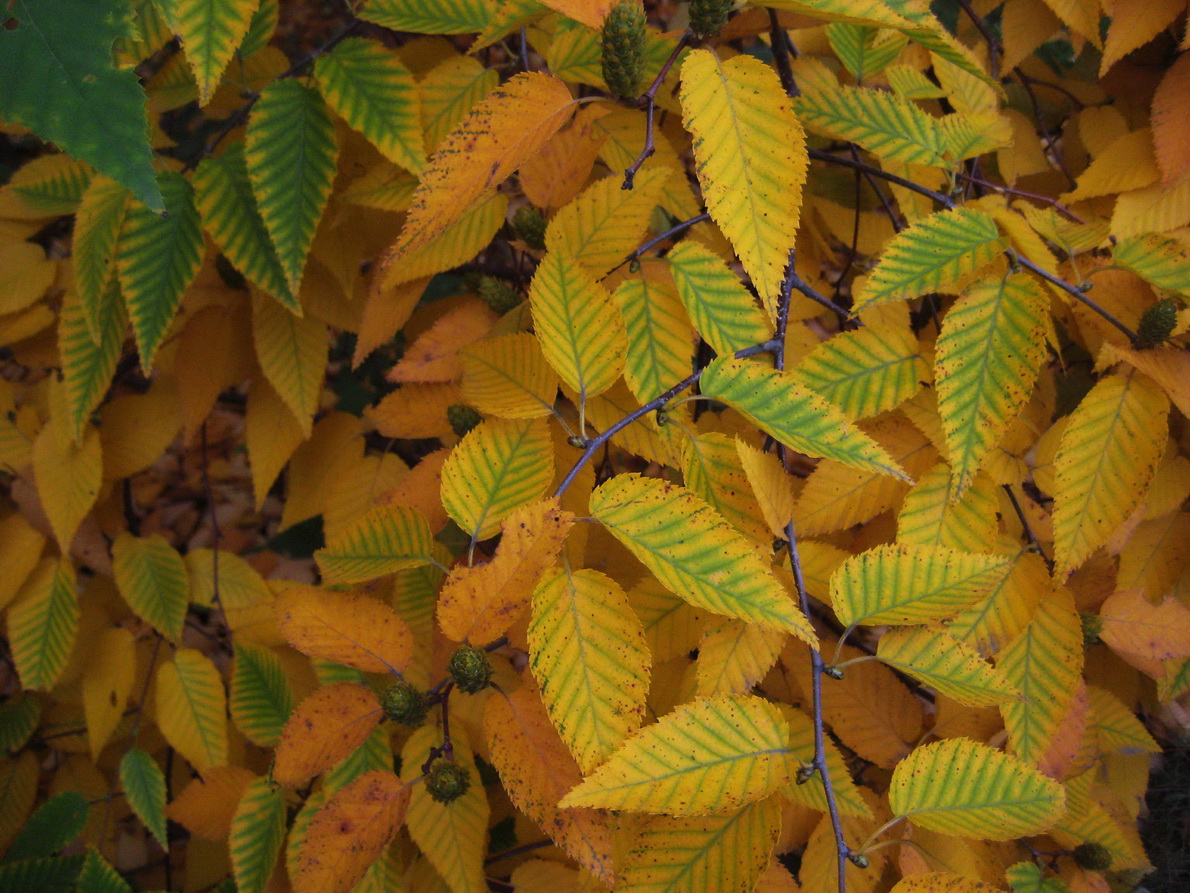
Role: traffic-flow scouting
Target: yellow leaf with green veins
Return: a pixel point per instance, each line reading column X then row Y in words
column 192, row 708
column 257, row 834
column 945, row 664
column 694, row 552
column 96, row 233
column 660, row 339
column 882, row 123
column 509, row 377
column 713, row 471
column 444, row 17
column 722, row 310
column 152, row 578
column 211, row 31
column 90, row 357
column 448, row 92
column 933, row 514
column 715, row 755
column 43, row 623
column 384, row 540
column 750, row 157
column 587, row 650
column 292, row 352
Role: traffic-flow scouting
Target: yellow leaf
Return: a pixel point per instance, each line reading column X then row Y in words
column 932, row 516
column 292, row 352
column 556, row 174
column 713, row 471
column 384, row 540
column 720, row 754
column 326, row 727
column 945, row 664
column 508, row 377
column 43, row 623
column 415, row 411
column 20, row 549
column 941, row 882
column 537, row 770
column 771, row 484
column 750, row 155
column 998, row 618
column 455, row 245
column 1133, row 24
column 152, row 578
column 1133, row 625
column 588, row 650
column 498, row 136
column 192, row 708
column 1108, row 453
column 135, row 429
column 384, row 314
column 734, row 655
column 348, row 628
column 478, row 604
column 1127, row 163
column 802, row 736
column 349, row 832
column 68, row 477
column 107, row 683
column 589, row 12
column 207, row 804
column 25, row 274
column 272, row 434
column 434, row 355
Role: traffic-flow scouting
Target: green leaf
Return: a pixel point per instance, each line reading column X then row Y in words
column 47, row 186
column 961, row 788
column 292, row 352
column 1160, row 260
column 88, row 365
column 143, row 784
column 159, row 256
column 722, row 310
column 59, row 82
column 55, row 824
column 865, row 372
column 261, row 700
column 211, row 30
column 257, row 833
column 988, row 356
column 794, row 415
column 945, row 664
column 883, row 123
column 441, row 17
column 906, row 585
column 660, row 339
column 384, row 540
column 291, row 154
column 261, row 28
column 152, row 577
column 19, row 717
column 43, row 622
column 1028, row 877
column 695, row 552
column 224, row 197
column 46, row 875
column 931, row 255
column 375, row 94
column 96, row 233
column 864, row 50
column 98, row 876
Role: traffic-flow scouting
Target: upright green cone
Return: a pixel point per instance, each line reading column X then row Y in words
column 707, row 17
column 622, row 42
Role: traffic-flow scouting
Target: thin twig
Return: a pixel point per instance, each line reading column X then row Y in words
column 1029, row 535
column 216, row 533
column 524, row 48
column 649, row 98
column 1020, row 193
column 1049, row 138
column 518, row 851
column 993, row 44
column 657, row 240
column 781, row 43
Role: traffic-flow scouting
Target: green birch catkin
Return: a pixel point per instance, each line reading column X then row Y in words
column 622, row 45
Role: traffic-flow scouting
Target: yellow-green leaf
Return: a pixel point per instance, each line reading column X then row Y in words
column 587, row 650
column 660, row 339
column 509, row 377
column 68, row 478
column 96, row 233
column 713, row 472
column 905, row 585
column 498, row 467
column 444, row 17
column 931, row 255
column 734, row 655
column 226, row 575
column 257, row 833
column 291, row 154
column 945, row 664
column 722, row 310
column 813, row 793
column 1116, row 727
column 694, row 552
column 350, row 628
column 375, row 94
column 384, row 540
column 865, row 372
column 292, row 354
column 261, row 700
column 961, row 788
column 90, row 357
column 1106, row 459
column 579, row 328
column 883, row 123
column 750, row 157
column 708, row 757
column 43, row 622
column 143, row 784
column 1162, row 261
column 192, row 710
column 934, row 514
column 448, row 93
column 794, row 415
column 152, row 577
column 211, row 31
column 988, row 356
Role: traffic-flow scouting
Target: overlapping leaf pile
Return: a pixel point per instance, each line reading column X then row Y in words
column 412, row 507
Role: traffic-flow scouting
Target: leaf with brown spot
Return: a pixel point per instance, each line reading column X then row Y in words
column 348, row 628
column 326, row 727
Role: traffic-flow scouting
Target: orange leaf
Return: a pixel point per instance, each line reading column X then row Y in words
column 350, row 832
column 345, row 627
column 479, row 604
column 384, row 313
column 589, row 12
column 415, row 411
column 326, row 727
column 1155, row 632
column 419, row 490
column 1133, row 24
column 1171, row 121
column 434, row 356
column 207, row 805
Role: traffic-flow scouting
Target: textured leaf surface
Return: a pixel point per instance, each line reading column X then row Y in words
column 1133, row 625
column 159, row 257
column 68, row 478
column 151, row 576
column 931, row 255
column 883, row 123
column 694, row 552
column 708, row 757
column 934, row 514
column 722, row 310
column 143, row 784
column 191, row 708
column 660, row 339
column 211, row 31
column 349, row 832
column 349, row 628
column 906, row 584
column 110, row 675
column 752, row 184
column 813, row 794
column 88, row 363
column 447, row 17
column 961, row 788
column 945, row 664
column 292, row 354
column 43, row 623
column 375, row 94
column 579, row 327
column 261, row 700
column 96, row 233
column 257, row 834
column 733, row 656
column 291, row 153
column 60, row 83
column 386, row 539
column 509, row 377
column 988, row 356
column 327, row 726
column 498, row 467
column 223, row 193
column 479, row 603
column 588, row 651
column 794, row 415
column 1106, row 459
column 865, row 372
